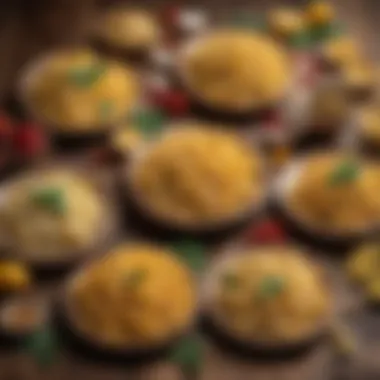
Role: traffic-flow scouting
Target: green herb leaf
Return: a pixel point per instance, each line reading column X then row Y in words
column 43, row 345
column 50, row 199
column 193, row 253
column 302, row 40
column 345, row 173
column 271, row 286
column 188, row 355
column 149, row 122
column 320, row 33
column 86, row 76
column 135, row 277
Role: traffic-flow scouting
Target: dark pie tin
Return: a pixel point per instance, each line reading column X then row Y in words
column 250, row 350
column 248, row 114
column 105, row 233
column 135, row 211
column 299, row 229
column 94, row 349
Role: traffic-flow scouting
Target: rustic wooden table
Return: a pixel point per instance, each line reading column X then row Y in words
column 321, row 364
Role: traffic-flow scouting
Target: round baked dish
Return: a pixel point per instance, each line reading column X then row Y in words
column 268, row 301
column 54, row 217
column 326, row 115
column 233, row 75
column 78, row 96
column 361, row 81
column 329, row 198
column 128, row 33
column 125, row 305
column 367, row 132
column 338, row 53
column 196, row 180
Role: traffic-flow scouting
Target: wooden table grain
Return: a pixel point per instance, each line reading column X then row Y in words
column 361, row 17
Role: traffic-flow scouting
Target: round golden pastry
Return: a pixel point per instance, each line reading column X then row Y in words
column 236, row 70
column 51, row 214
column 336, row 193
column 286, row 22
column 128, row 299
column 341, row 52
column 77, row 91
column 197, row 176
column 270, row 295
column 128, row 28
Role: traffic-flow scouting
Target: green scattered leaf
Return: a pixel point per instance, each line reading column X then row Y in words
column 345, row 173
column 50, row 199
column 270, row 287
column 135, row 277
column 149, row 122
column 43, row 346
column 230, row 281
column 320, row 33
column 86, row 76
column 300, row 40
column 193, row 253
column 188, row 355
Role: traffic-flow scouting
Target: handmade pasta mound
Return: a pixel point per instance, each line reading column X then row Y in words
column 77, row 91
column 236, row 70
column 51, row 213
column 196, row 176
column 269, row 295
column 136, row 296
column 337, row 193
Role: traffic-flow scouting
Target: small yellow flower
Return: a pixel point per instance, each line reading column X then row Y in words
column 14, row 276
column 285, row 22
column 319, row 13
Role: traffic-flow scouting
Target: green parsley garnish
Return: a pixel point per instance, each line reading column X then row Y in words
column 50, row 199
column 86, row 75
column 271, row 287
column 344, row 173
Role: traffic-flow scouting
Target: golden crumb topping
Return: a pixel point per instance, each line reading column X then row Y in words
column 195, row 176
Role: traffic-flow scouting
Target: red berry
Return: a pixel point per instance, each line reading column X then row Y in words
column 28, row 140
column 267, row 232
column 173, row 103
